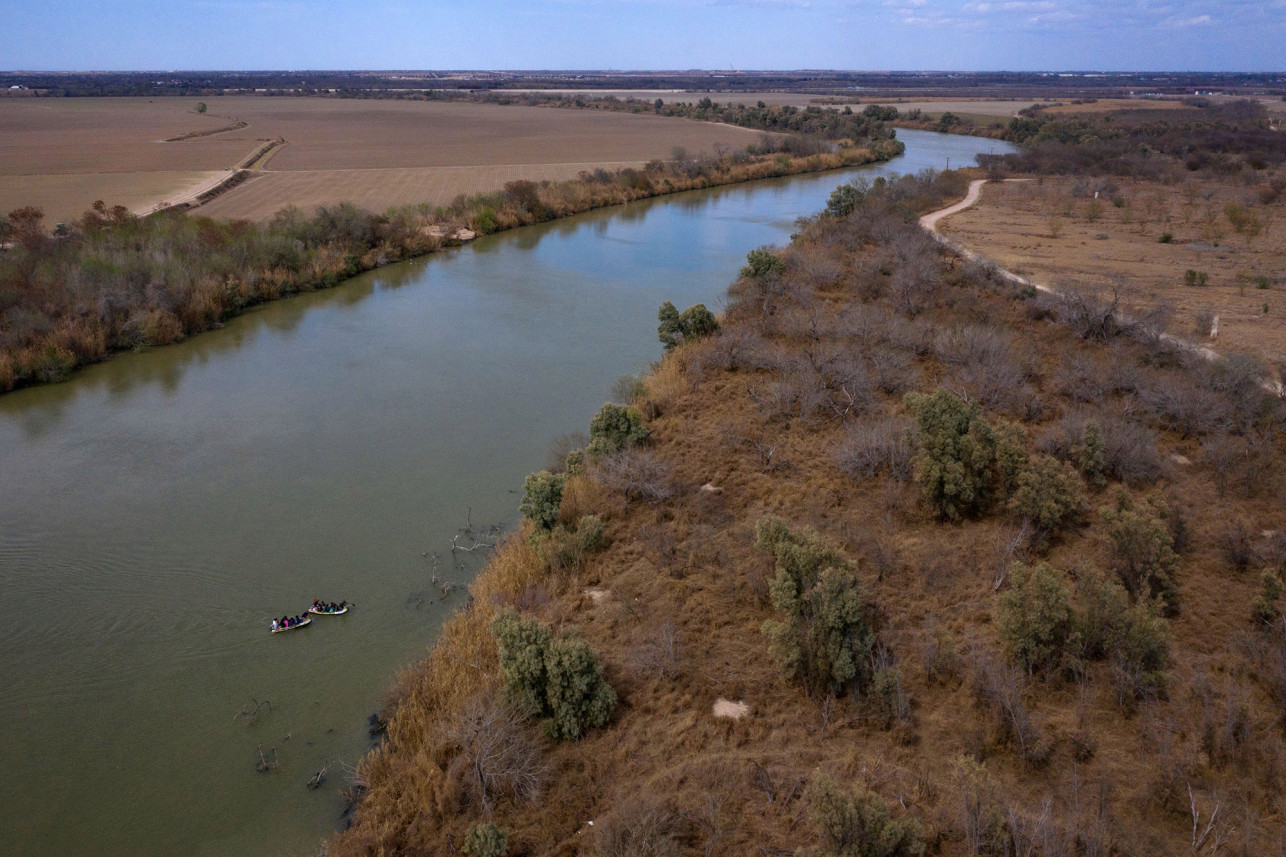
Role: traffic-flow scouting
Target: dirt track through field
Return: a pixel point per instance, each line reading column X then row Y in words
column 930, row 222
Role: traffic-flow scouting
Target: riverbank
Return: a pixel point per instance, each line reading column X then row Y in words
column 117, row 283
column 806, row 405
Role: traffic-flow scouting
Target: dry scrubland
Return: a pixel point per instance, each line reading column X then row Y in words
column 62, row 154
column 984, row 709
column 1053, row 231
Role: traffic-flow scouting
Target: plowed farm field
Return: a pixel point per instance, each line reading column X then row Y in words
column 62, row 154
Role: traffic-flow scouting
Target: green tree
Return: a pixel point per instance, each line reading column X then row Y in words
column 1090, row 454
column 1144, row 557
column 761, row 263
column 614, row 428
column 956, row 460
column 200, row 107
column 556, row 678
column 858, row 823
column 485, row 840
column 822, row 638
column 1035, row 618
column 542, row 495
column 675, row 329
column 1048, row 494
column 846, row 198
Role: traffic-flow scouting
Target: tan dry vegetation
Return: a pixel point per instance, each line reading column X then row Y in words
column 1052, row 231
column 1111, row 105
column 757, row 412
column 116, row 150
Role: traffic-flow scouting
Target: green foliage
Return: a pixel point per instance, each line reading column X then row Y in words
column 821, row 638
column 1090, row 454
column 858, row 824
column 564, row 549
column 1048, row 493
column 1195, row 278
column 614, row 428
column 675, row 329
column 555, row 678
column 1133, row 639
column 1144, row 558
column 542, row 495
column 1267, row 605
column 485, row 840
column 957, row 453
column 574, row 464
column 201, row 107
column 577, row 696
column 845, row 199
column 523, row 642
column 1035, row 618
column 762, row 262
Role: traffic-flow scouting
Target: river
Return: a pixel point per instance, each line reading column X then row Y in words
column 158, row 510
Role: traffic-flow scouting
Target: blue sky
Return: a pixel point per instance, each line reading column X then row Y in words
column 1110, row 35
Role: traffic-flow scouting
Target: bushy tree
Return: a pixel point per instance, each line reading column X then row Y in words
column 557, row 678
column 542, row 495
column 821, row 638
column 485, row 840
column 858, row 823
column 1144, row 557
column 845, row 199
column 762, row 262
column 1035, row 618
column 675, row 329
column 955, row 464
column 523, row 642
column 1090, row 454
column 578, row 697
column 1134, row 640
column 614, row 428
column 1048, row 493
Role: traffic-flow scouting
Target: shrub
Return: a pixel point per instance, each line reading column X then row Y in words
column 1090, row 454
column 822, row 638
column 1267, row 605
column 1035, row 618
column 578, row 696
column 858, row 824
column 485, row 840
column 557, row 678
column 1144, row 557
column 874, row 448
column 695, row 323
column 1140, row 654
column 762, row 263
column 542, row 495
column 564, row 549
column 614, row 428
column 956, row 456
column 1048, row 493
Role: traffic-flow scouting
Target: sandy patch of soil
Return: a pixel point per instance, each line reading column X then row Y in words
column 728, row 708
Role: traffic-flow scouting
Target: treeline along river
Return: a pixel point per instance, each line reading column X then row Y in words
column 159, row 509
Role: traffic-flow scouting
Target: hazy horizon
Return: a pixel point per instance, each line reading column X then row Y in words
column 571, row 35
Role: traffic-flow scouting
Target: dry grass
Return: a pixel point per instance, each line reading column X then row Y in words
column 682, row 628
column 1052, row 231
column 1111, row 105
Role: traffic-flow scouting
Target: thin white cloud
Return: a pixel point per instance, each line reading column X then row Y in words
column 1198, row 21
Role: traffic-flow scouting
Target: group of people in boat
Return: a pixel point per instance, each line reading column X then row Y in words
column 318, row 606
column 287, row 622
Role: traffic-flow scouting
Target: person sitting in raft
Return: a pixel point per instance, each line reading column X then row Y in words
column 275, row 625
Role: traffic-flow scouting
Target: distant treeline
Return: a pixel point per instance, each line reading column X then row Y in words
column 853, row 84
column 1223, row 139
column 111, row 281
column 827, row 123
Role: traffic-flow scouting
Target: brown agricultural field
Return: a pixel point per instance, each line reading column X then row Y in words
column 116, row 148
column 1109, row 105
column 1053, row 231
